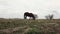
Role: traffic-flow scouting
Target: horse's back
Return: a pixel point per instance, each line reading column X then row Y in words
column 28, row 14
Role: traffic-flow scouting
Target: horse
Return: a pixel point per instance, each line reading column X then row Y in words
column 27, row 14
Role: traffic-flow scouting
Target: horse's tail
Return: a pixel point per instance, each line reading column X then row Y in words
column 24, row 16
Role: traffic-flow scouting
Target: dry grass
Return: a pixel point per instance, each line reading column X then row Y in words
column 40, row 26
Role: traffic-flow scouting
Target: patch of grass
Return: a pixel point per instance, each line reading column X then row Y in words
column 2, row 33
column 37, row 26
column 36, row 31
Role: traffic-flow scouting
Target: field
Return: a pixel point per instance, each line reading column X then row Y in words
column 22, row 26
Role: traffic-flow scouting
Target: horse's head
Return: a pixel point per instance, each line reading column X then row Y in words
column 35, row 15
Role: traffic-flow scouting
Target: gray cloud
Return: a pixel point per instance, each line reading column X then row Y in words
column 16, row 8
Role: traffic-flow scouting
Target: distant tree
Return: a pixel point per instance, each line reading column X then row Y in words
column 50, row 17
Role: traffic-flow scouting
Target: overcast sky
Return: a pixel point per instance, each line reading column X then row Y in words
column 16, row 8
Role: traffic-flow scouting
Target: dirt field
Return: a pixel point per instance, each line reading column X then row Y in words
column 21, row 26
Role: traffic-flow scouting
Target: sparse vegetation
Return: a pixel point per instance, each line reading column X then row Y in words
column 21, row 26
column 49, row 17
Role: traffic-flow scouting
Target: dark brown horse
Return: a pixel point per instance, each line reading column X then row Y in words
column 27, row 14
